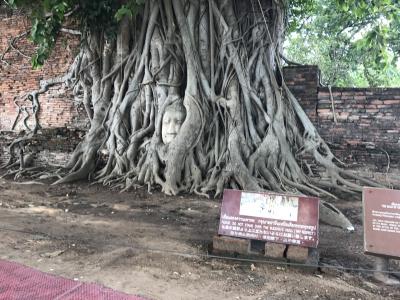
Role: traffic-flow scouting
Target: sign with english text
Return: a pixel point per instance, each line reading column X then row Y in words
column 381, row 210
column 271, row 217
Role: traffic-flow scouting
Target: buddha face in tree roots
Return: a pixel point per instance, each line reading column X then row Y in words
column 172, row 121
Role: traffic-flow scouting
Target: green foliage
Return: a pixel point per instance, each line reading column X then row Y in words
column 298, row 11
column 44, row 29
column 130, row 9
column 97, row 15
column 355, row 43
column 49, row 15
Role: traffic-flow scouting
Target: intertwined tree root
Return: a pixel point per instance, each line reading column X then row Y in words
column 243, row 128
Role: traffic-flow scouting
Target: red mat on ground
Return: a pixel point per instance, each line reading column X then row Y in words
column 18, row 282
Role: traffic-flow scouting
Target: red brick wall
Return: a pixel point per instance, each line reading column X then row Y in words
column 303, row 82
column 17, row 78
column 368, row 119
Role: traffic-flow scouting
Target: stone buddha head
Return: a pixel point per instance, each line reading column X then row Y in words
column 173, row 118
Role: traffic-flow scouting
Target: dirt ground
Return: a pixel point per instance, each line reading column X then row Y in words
column 154, row 246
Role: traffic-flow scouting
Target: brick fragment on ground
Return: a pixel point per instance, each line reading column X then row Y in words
column 275, row 250
column 226, row 244
column 297, row 253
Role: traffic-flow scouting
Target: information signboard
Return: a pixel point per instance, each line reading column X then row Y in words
column 278, row 218
column 381, row 209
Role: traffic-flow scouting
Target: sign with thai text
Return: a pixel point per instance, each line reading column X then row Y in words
column 381, row 209
column 278, row 218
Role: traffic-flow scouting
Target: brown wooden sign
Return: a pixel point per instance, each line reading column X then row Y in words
column 278, row 218
column 381, row 221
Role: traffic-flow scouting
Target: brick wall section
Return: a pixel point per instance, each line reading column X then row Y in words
column 368, row 123
column 303, row 82
column 53, row 145
column 17, row 78
column 368, row 119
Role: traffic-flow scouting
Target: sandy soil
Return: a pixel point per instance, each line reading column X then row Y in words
column 154, row 246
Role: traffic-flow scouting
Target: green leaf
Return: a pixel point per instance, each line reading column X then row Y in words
column 122, row 12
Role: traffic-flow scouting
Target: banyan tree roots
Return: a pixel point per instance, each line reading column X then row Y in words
column 213, row 67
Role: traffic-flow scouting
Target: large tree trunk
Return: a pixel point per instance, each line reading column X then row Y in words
column 188, row 98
